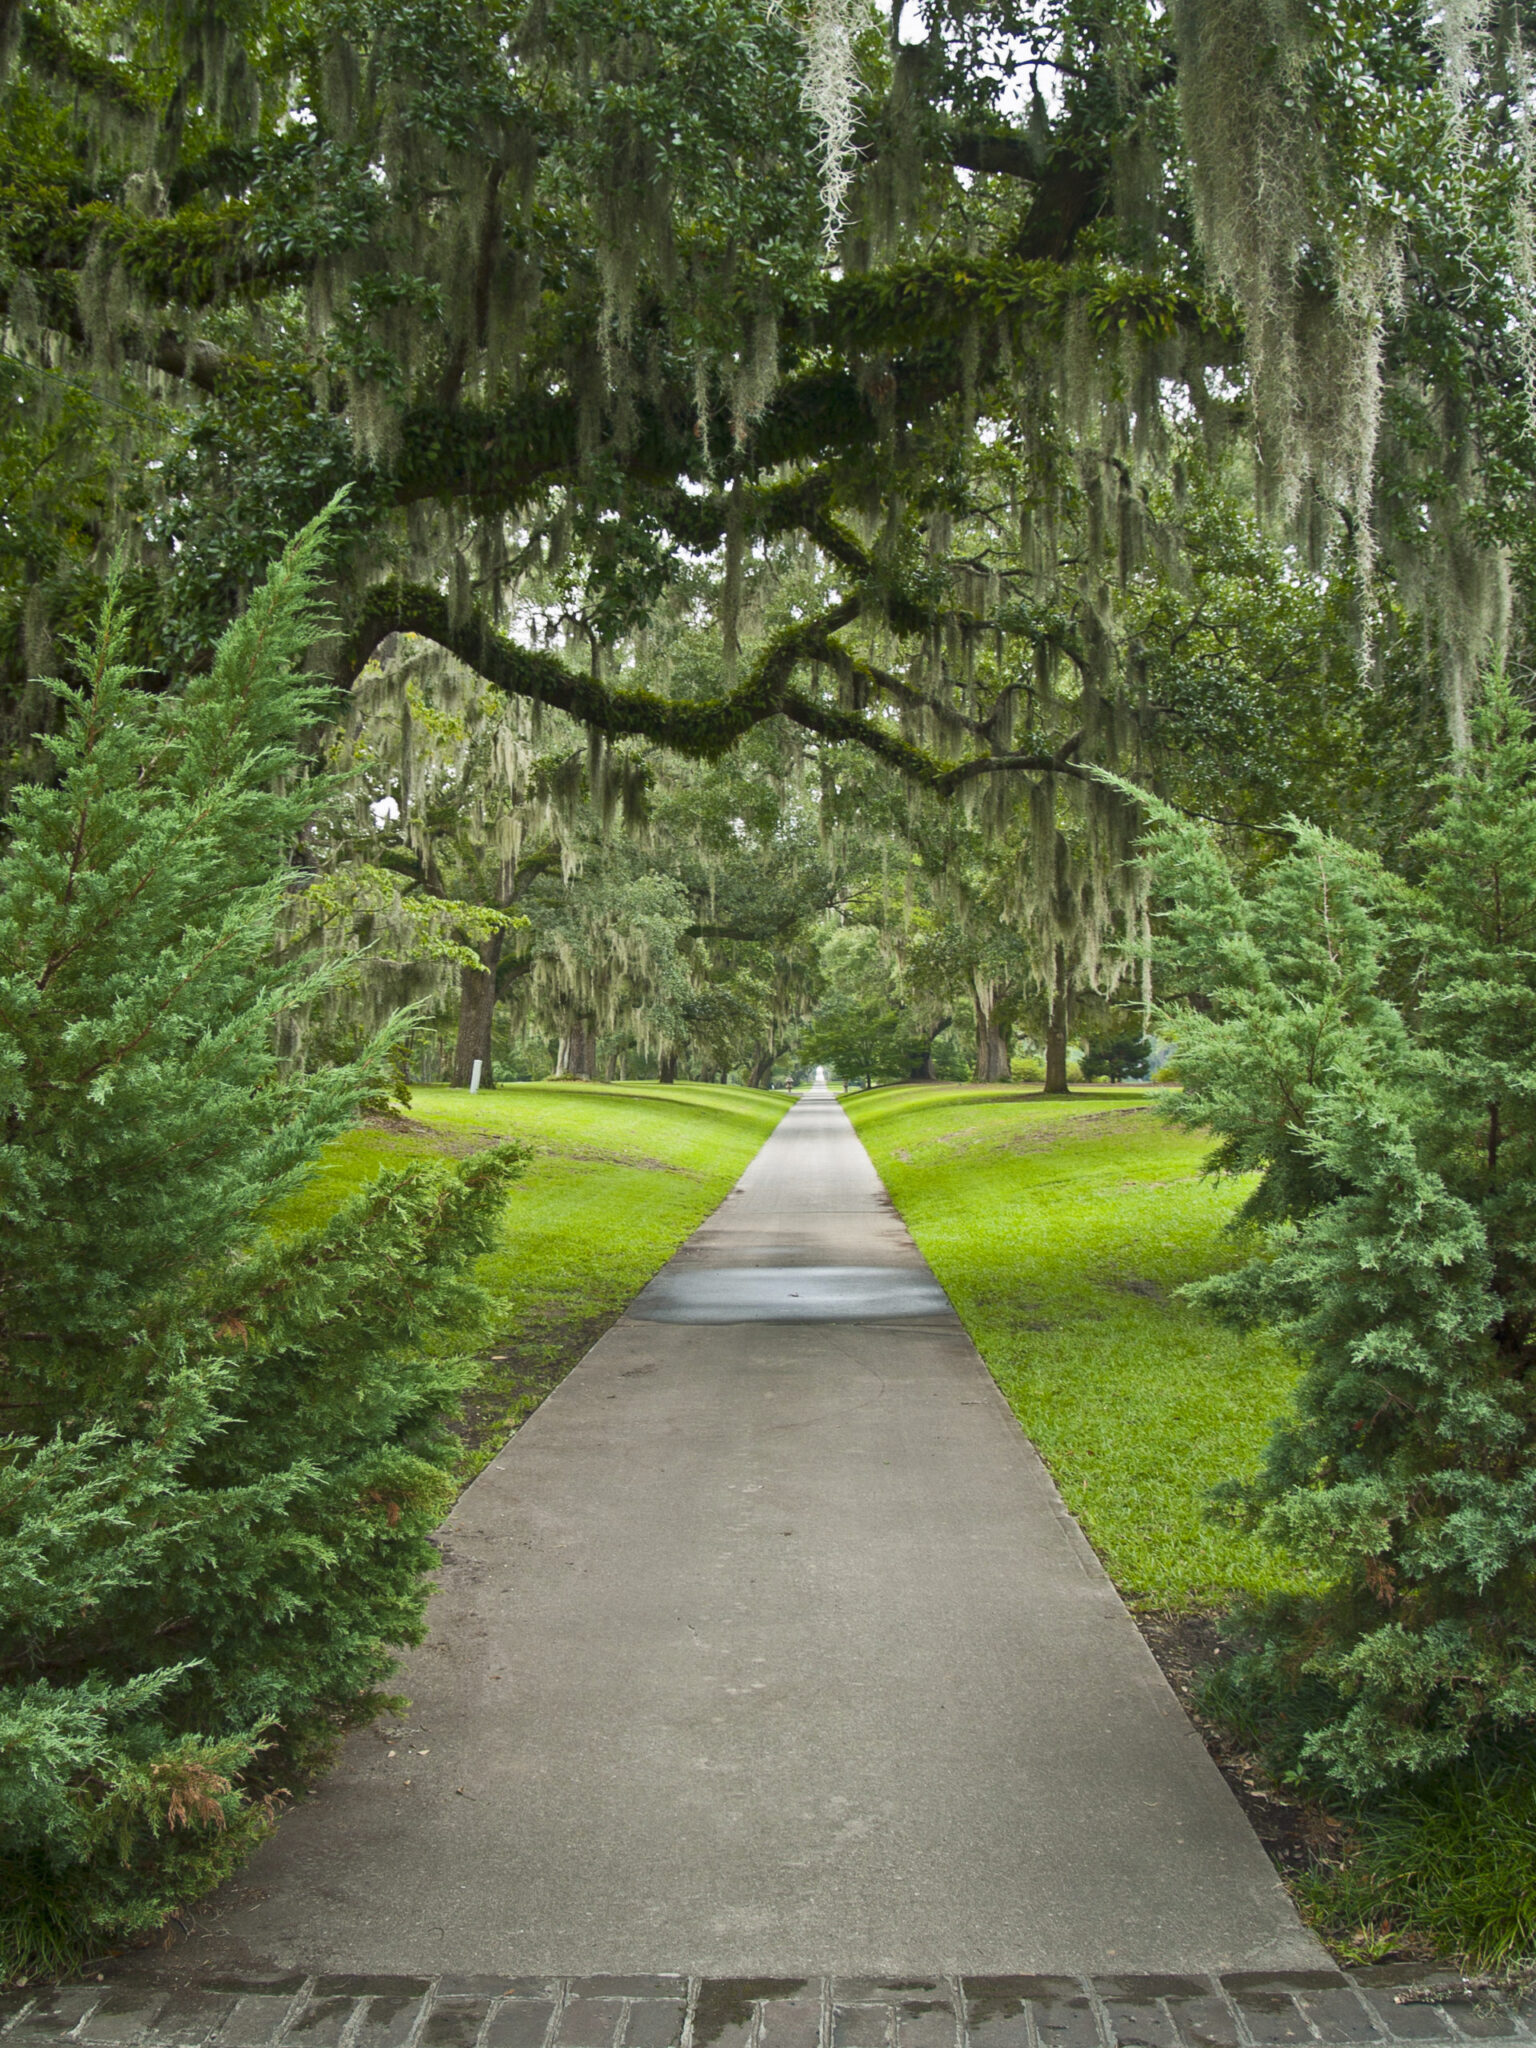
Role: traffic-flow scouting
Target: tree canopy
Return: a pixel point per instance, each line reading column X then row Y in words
column 554, row 287
column 1099, row 385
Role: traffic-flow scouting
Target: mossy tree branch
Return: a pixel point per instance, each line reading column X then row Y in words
column 47, row 45
column 701, row 729
column 495, row 458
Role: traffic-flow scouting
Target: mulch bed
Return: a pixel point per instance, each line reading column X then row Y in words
column 1296, row 1833
column 522, row 1370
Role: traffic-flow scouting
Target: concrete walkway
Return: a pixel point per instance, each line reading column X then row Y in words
column 767, row 1648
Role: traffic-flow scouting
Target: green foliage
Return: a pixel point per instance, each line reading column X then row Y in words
column 145, row 1118
column 1117, row 1059
column 857, row 1032
column 613, row 347
column 860, row 1040
column 1452, row 1861
column 343, row 1045
column 1030, row 1067
column 1257, row 673
column 222, row 1453
column 1365, row 1045
column 212, row 1575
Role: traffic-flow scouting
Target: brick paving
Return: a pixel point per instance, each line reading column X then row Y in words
column 1245, row 2009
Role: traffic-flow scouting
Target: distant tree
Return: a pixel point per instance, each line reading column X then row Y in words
column 1118, row 1059
column 860, row 1030
column 861, row 1039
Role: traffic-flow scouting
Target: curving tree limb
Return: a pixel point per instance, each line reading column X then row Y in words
column 703, row 729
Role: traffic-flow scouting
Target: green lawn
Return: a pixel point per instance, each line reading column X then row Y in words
column 621, row 1174
column 1060, row 1230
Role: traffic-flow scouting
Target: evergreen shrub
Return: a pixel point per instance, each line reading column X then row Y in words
column 1118, row 1059
column 222, row 1453
column 1030, row 1067
column 1366, row 1043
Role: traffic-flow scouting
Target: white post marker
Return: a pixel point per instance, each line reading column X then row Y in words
column 474, row 1078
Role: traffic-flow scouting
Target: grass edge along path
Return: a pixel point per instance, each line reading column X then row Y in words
column 1059, row 1229
column 621, row 1174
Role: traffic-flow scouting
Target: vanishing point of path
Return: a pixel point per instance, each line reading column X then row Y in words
column 767, row 1647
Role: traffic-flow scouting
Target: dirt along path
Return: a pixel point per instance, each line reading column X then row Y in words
column 767, row 1648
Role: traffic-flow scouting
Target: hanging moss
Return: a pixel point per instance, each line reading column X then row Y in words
column 831, row 91
column 547, row 254
column 1314, row 283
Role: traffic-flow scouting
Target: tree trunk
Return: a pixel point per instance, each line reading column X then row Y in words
column 991, row 1042
column 666, row 1067
column 584, row 1048
column 1056, row 1031
column 761, row 1075
column 477, row 1009
column 923, row 1071
column 578, row 1051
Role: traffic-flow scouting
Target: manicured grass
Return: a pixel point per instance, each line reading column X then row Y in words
column 1060, row 1230
column 621, row 1174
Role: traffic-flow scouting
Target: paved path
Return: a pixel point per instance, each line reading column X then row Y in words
column 767, row 1647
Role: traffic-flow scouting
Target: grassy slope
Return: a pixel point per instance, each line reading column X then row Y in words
column 1060, row 1230
column 621, row 1174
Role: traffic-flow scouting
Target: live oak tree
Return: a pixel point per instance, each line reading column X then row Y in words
column 553, row 288
column 497, row 864
column 461, row 813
